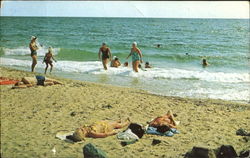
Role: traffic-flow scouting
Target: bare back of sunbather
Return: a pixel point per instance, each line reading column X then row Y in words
column 167, row 119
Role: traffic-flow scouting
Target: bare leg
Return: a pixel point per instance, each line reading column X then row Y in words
column 118, row 124
column 104, row 63
column 51, row 67
column 34, row 62
column 136, row 65
column 46, row 68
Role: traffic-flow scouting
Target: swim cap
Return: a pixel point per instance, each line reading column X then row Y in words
column 104, row 44
column 50, row 49
column 33, row 37
column 135, row 43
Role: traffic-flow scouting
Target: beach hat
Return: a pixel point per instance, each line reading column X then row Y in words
column 33, row 37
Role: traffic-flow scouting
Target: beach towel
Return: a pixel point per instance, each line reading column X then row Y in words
column 7, row 81
column 62, row 135
column 170, row 133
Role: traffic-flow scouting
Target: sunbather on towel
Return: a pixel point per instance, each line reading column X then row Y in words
column 37, row 80
column 167, row 120
column 100, row 129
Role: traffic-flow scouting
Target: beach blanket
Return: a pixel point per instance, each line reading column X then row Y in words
column 170, row 133
column 7, row 81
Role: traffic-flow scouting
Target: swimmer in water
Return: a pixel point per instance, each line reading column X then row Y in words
column 204, row 63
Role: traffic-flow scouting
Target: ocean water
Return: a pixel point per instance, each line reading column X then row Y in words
column 76, row 41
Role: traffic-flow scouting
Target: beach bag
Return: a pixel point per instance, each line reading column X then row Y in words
column 137, row 129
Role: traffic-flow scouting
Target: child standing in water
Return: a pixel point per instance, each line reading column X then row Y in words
column 48, row 60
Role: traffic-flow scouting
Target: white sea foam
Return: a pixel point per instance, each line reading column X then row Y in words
column 95, row 67
column 26, row 51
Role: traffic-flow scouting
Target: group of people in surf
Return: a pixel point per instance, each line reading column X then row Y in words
column 104, row 55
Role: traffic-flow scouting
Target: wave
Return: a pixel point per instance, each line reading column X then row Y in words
column 95, row 67
column 26, row 51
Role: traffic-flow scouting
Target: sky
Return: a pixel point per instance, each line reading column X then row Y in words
column 154, row 9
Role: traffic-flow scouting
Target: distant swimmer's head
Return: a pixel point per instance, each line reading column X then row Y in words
column 126, row 64
column 116, row 58
column 33, row 38
column 158, row 45
column 134, row 44
column 147, row 63
column 204, row 62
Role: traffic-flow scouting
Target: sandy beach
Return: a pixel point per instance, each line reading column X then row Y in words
column 31, row 117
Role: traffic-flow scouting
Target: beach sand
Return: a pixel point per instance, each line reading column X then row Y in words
column 31, row 117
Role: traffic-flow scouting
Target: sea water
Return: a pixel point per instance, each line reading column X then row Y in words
column 177, row 69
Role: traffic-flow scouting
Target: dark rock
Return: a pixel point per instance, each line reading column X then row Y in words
column 200, row 152
column 242, row 132
column 246, row 139
column 107, row 106
column 156, row 141
column 73, row 114
column 245, row 154
column 226, row 151
column 90, row 151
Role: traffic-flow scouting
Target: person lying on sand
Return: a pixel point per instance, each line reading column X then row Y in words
column 115, row 62
column 165, row 120
column 100, row 129
column 33, row 81
column 48, row 60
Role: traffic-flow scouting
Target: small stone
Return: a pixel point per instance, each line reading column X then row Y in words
column 245, row 154
column 156, row 141
column 73, row 114
column 200, row 152
column 226, row 151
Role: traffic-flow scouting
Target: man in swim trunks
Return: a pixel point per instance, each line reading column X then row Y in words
column 33, row 48
column 106, row 55
column 136, row 56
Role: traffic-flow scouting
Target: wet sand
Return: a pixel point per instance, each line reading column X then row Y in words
column 31, row 117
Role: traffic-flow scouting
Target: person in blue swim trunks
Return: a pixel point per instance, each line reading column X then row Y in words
column 136, row 56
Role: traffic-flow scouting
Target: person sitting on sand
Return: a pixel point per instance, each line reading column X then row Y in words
column 115, row 62
column 33, row 48
column 33, row 81
column 106, row 55
column 147, row 65
column 48, row 60
column 204, row 63
column 163, row 121
column 125, row 64
column 100, row 129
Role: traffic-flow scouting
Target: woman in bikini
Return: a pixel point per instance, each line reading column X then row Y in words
column 106, row 55
column 33, row 48
column 136, row 56
column 48, row 60
column 100, row 129
column 165, row 120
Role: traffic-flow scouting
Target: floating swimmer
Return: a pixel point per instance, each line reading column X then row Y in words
column 205, row 63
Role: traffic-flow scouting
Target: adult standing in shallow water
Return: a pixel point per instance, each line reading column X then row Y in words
column 136, row 56
column 106, row 55
column 33, row 49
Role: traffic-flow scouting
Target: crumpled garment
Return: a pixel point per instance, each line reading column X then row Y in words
column 170, row 133
column 127, row 135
